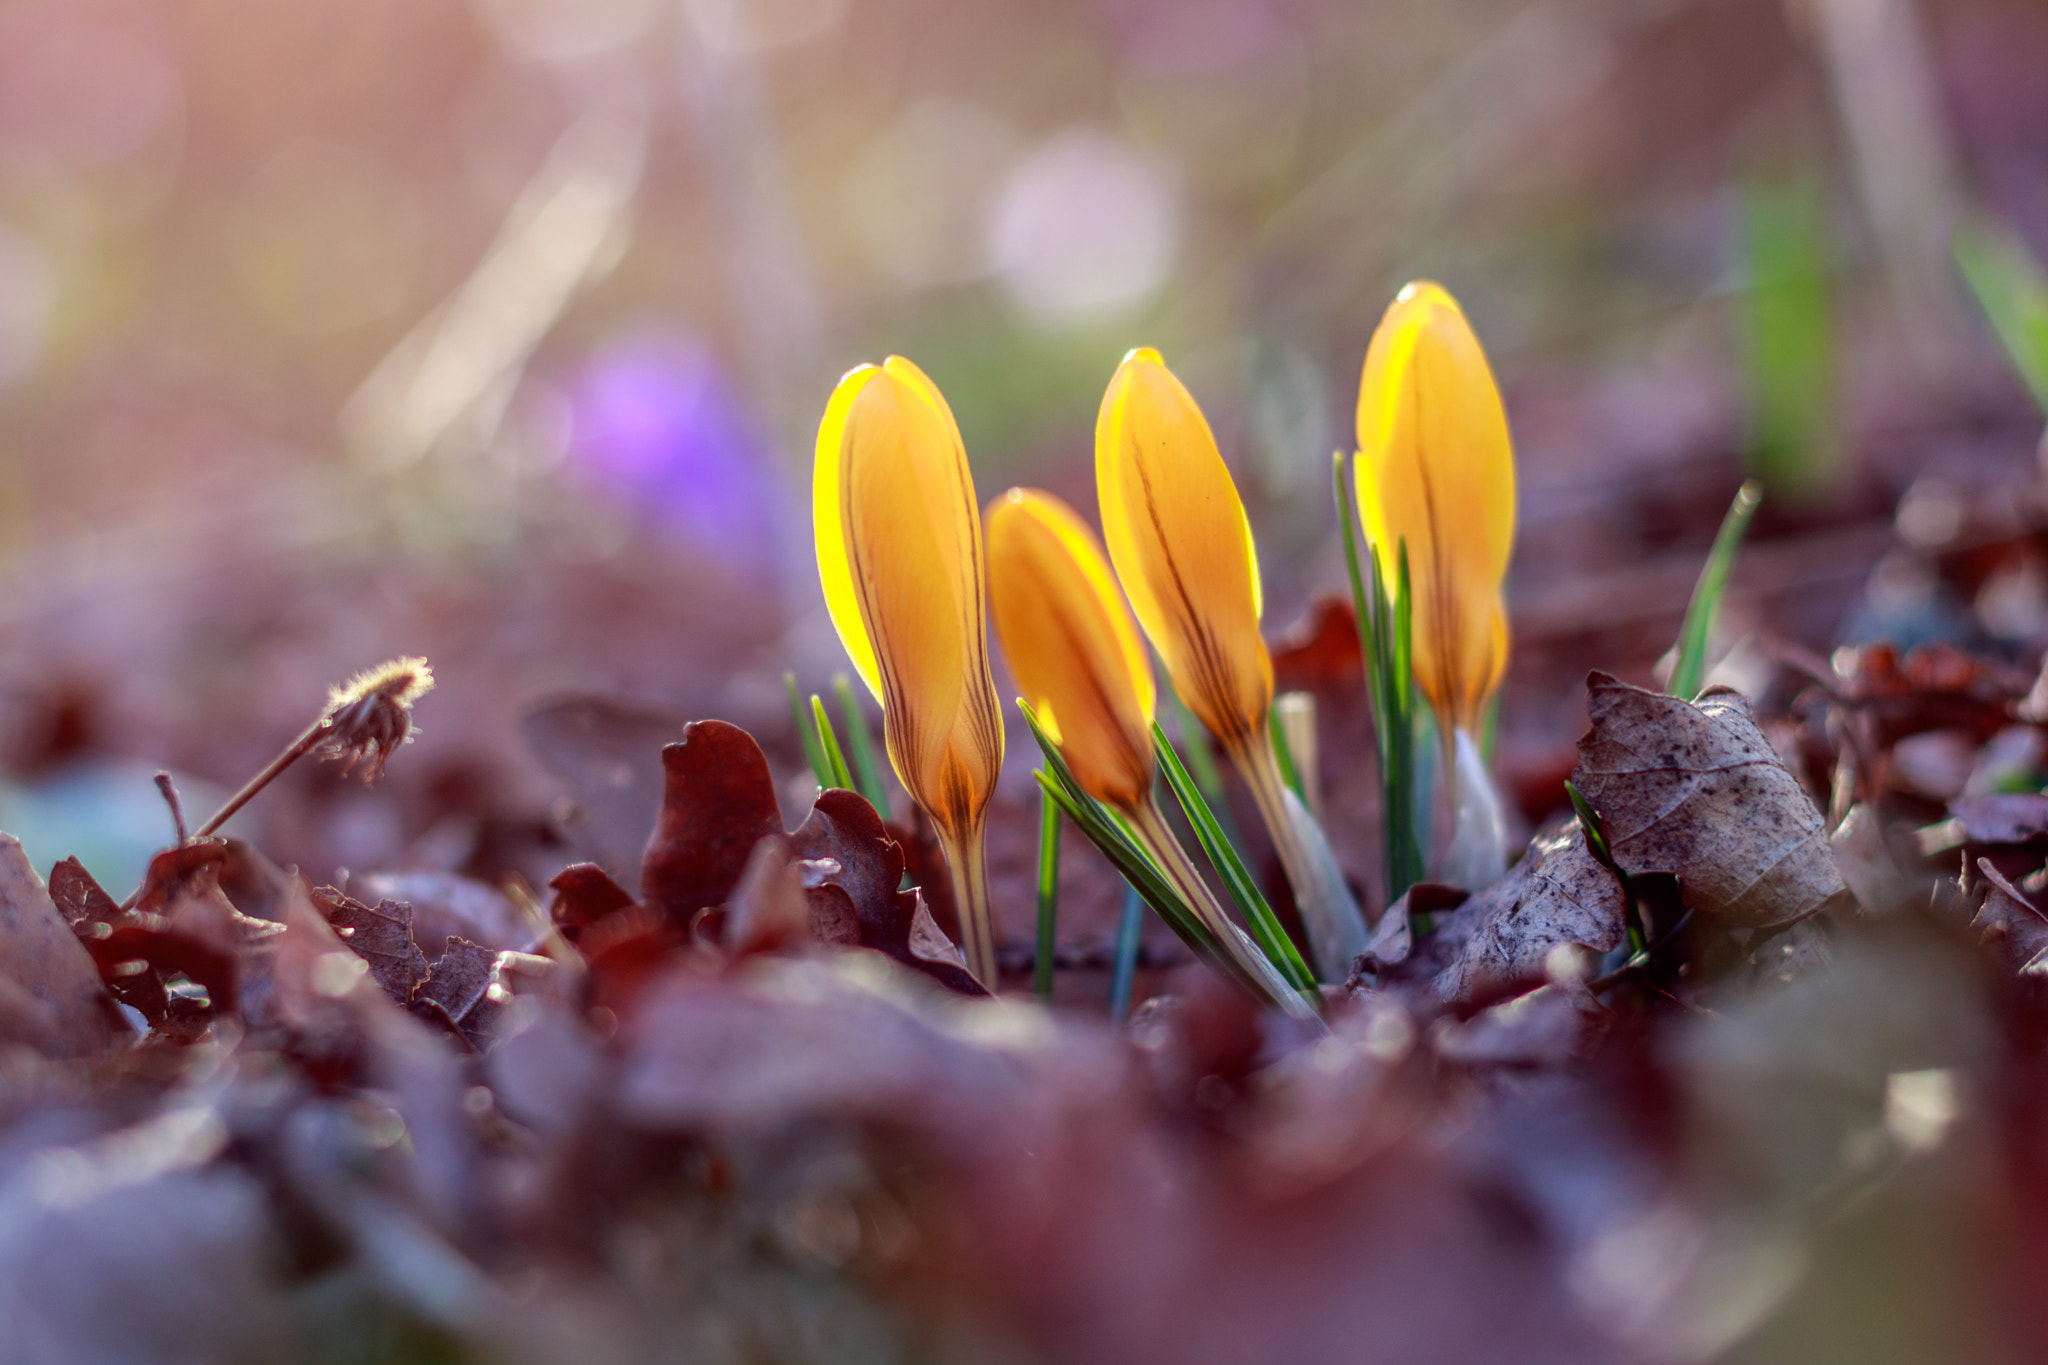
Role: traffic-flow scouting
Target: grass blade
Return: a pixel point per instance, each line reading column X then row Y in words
column 1589, row 824
column 1786, row 318
column 1201, row 761
column 1385, row 638
column 860, row 746
column 1237, row 879
column 1110, row 833
column 1596, row 844
column 1048, row 892
column 835, row 760
column 1128, row 925
column 1365, row 616
column 1691, row 668
column 807, row 733
column 2012, row 289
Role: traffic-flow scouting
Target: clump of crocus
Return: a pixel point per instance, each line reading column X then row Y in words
column 1182, row 547
column 900, row 555
column 1436, row 475
column 1084, row 673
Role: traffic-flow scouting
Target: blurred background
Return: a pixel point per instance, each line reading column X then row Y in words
column 497, row 330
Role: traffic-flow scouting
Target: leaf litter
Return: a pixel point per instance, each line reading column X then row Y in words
column 737, row 1098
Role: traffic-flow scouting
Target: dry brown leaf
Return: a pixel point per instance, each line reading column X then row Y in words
column 381, row 935
column 1696, row 790
column 1558, row 894
column 57, row 987
column 2009, row 919
column 456, row 994
column 767, row 912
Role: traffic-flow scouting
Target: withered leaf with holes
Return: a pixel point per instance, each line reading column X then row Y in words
column 456, row 993
column 1696, row 790
column 380, row 935
column 718, row 801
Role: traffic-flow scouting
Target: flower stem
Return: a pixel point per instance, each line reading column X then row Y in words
column 1173, row 860
column 1048, row 893
column 1336, row 931
column 291, row 754
column 967, row 861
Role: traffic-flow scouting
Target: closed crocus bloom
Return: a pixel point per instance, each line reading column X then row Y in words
column 900, row 555
column 1070, row 643
column 1436, row 473
column 1435, row 470
column 1182, row 547
column 1077, row 657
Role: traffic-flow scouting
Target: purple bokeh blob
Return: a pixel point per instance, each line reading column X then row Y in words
column 657, row 424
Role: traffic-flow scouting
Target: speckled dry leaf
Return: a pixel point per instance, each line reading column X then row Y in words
column 1558, row 894
column 1696, row 790
column 380, row 935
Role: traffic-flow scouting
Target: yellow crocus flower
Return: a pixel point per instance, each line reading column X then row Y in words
column 1075, row 654
column 1070, row 643
column 900, row 556
column 1182, row 547
column 1436, row 471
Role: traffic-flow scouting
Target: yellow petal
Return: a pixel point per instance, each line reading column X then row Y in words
column 900, row 557
column 1435, row 468
column 834, row 570
column 1069, row 639
column 1182, row 547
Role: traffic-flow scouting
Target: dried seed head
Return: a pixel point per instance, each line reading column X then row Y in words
column 371, row 715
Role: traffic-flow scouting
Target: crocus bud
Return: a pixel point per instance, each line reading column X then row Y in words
column 1177, row 534
column 1435, row 471
column 1070, row 643
column 1183, row 551
column 899, row 553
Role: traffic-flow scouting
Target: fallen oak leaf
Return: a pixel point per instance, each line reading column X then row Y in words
column 718, row 801
column 865, row 864
column 1696, row 790
column 768, row 911
column 857, row 866
column 584, row 894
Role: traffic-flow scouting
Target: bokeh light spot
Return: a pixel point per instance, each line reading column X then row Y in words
column 1084, row 229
